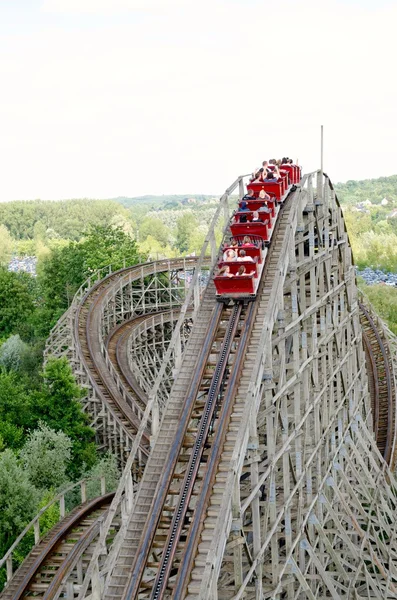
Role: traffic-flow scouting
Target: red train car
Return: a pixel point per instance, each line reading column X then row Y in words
column 236, row 286
column 252, row 237
column 249, row 228
column 257, row 203
column 274, row 187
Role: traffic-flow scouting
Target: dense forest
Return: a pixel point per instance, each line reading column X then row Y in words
column 45, row 438
column 353, row 192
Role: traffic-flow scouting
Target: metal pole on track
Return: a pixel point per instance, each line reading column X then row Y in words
column 322, row 148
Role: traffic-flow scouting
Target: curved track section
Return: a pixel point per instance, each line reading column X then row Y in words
column 382, row 384
column 127, row 407
column 43, row 572
column 154, row 333
column 117, row 344
column 116, row 405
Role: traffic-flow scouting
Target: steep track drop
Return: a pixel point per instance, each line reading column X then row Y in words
column 193, row 434
column 169, row 541
column 199, row 343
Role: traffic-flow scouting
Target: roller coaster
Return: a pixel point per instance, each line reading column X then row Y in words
column 257, row 438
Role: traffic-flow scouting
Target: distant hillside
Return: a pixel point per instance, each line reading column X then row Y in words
column 165, row 201
column 66, row 219
column 352, row 192
column 375, row 190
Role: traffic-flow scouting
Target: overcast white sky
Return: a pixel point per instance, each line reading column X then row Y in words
column 101, row 98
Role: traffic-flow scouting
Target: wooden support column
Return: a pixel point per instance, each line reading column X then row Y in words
column 237, row 540
column 253, row 447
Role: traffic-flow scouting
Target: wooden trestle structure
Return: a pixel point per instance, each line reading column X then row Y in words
column 294, row 495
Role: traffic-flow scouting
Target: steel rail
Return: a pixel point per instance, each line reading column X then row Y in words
column 59, row 580
column 60, row 497
column 93, row 368
column 183, row 576
column 152, row 408
column 93, row 565
column 195, row 457
column 90, row 334
column 209, row 241
column 116, row 345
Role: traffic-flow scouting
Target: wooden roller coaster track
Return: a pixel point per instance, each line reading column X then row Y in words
column 263, row 478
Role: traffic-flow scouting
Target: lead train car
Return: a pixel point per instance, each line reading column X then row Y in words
column 244, row 287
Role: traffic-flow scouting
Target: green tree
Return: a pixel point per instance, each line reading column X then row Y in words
column 68, row 267
column 54, row 400
column 60, row 275
column 374, row 190
column 124, row 222
column 108, row 245
column 106, row 467
column 66, row 218
column 154, row 250
column 16, row 302
column 14, row 354
column 47, row 521
column 186, row 225
column 380, row 250
column 17, row 409
column 26, row 247
column 18, row 499
column 39, row 231
column 154, row 227
column 59, row 407
column 6, row 245
column 45, row 456
column 357, row 222
column 196, row 239
column 382, row 227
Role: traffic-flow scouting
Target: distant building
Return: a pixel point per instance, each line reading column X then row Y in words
column 384, row 202
column 361, row 207
column 27, row 264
